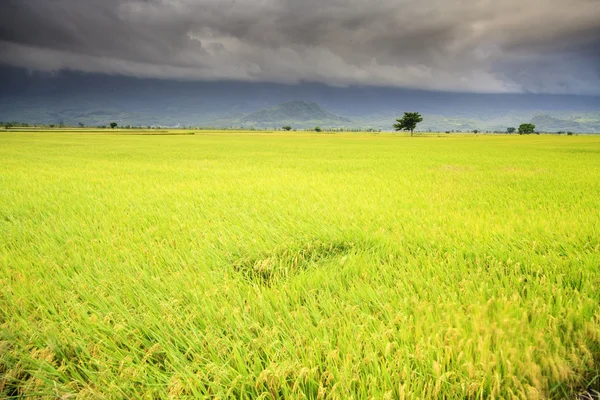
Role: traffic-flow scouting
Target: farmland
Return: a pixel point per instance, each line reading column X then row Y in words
column 300, row 265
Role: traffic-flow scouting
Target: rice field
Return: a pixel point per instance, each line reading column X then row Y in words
column 299, row 266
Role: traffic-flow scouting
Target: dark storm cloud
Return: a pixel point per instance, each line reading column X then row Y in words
column 476, row 45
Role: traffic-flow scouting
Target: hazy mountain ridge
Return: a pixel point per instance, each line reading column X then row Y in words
column 74, row 98
column 303, row 115
column 299, row 114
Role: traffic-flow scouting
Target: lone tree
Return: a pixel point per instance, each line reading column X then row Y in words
column 113, row 125
column 287, row 128
column 526, row 129
column 511, row 130
column 318, row 129
column 408, row 122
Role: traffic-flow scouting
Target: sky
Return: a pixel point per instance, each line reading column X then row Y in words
column 490, row 46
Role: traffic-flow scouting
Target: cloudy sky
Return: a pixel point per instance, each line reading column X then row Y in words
column 540, row 46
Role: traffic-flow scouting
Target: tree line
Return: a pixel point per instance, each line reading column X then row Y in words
column 410, row 120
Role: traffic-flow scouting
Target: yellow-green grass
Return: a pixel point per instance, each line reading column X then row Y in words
column 271, row 265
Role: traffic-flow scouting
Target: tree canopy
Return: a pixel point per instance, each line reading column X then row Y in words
column 526, row 129
column 408, row 122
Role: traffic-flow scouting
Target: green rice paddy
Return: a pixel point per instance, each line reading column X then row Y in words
column 301, row 266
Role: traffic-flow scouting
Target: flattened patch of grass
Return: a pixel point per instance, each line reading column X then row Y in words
column 281, row 264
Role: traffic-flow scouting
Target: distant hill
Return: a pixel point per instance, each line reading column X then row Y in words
column 300, row 114
column 587, row 122
column 307, row 114
column 92, row 99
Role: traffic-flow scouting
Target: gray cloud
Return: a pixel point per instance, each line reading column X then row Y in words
column 464, row 45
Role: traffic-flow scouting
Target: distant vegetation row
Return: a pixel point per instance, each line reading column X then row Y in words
column 407, row 123
column 410, row 120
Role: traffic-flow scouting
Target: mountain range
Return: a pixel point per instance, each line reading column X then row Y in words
column 72, row 98
column 298, row 114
